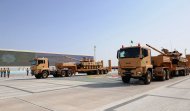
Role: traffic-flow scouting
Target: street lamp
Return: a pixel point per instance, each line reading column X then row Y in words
column 185, row 52
column 94, row 53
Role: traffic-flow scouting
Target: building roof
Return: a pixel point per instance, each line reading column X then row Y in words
column 14, row 50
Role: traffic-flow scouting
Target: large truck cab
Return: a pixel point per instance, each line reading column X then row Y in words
column 40, row 67
column 135, row 62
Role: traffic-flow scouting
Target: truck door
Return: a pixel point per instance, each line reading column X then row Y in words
column 145, row 57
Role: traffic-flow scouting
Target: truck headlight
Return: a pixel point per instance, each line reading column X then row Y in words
column 138, row 72
column 39, row 71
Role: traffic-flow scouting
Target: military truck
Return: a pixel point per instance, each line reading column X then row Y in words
column 41, row 69
column 137, row 62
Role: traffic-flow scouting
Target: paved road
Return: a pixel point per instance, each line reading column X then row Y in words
column 93, row 93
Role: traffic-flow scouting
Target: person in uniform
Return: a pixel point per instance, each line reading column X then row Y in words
column 4, row 71
column 1, row 72
column 27, row 71
column 8, row 72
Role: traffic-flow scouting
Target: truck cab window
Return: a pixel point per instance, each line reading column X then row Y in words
column 129, row 52
column 144, row 52
column 34, row 62
column 40, row 61
column 122, row 54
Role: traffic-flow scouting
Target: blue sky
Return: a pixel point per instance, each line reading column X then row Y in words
column 75, row 26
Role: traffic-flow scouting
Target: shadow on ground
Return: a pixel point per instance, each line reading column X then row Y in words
column 114, row 84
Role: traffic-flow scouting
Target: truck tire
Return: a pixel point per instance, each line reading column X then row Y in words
column 69, row 73
column 177, row 73
column 172, row 74
column 163, row 78
column 184, row 73
column 44, row 74
column 63, row 73
column 88, row 73
column 187, row 71
column 167, row 74
column 38, row 76
column 105, row 71
column 125, row 79
column 148, row 78
column 97, row 72
column 101, row 72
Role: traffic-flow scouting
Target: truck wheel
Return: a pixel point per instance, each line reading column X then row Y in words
column 97, row 72
column 177, row 73
column 172, row 74
column 105, row 71
column 167, row 74
column 101, row 71
column 69, row 73
column 163, row 78
column 44, row 74
column 63, row 73
column 38, row 76
column 148, row 78
column 88, row 73
column 184, row 73
column 187, row 71
column 126, row 79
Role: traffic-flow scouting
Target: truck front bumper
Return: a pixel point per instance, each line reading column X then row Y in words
column 134, row 75
column 35, row 72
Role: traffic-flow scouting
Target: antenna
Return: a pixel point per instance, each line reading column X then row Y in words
column 131, row 43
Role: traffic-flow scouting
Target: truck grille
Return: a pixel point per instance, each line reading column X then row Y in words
column 128, row 69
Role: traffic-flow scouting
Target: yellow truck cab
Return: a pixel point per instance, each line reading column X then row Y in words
column 40, row 67
column 135, row 62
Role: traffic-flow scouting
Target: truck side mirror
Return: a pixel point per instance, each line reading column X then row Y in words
column 117, row 54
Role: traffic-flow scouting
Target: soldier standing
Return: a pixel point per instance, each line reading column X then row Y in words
column 1, row 72
column 8, row 72
column 4, row 71
column 27, row 71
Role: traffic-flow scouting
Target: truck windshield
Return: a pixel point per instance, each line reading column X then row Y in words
column 34, row 62
column 129, row 53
